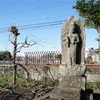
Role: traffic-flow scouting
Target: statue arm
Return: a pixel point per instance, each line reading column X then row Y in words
column 66, row 39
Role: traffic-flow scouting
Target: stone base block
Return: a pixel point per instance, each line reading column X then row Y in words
column 69, row 88
column 70, row 94
column 73, row 82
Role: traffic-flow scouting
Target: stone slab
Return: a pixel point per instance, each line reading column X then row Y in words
column 93, row 77
column 69, row 88
column 93, row 70
column 69, row 94
column 73, row 82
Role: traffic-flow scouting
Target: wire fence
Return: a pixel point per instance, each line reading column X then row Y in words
column 36, row 58
column 43, row 57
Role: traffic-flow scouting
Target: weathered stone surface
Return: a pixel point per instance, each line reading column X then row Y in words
column 66, row 94
column 68, row 38
column 73, row 47
column 73, row 70
column 70, row 94
column 93, row 70
column 93, row 73
column 93, row 77
column 69, row 88
column 55, row 94
column 73, row 82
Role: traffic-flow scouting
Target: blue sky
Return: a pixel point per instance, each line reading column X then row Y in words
column 29, row 16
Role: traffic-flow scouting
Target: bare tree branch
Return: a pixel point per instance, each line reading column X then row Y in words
column 28, row 74
column 10, row 40
column 25, row 44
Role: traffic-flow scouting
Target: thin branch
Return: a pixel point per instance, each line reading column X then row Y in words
column 28, row 74
column 25, row 44
column 10, row 40
column 19, row 76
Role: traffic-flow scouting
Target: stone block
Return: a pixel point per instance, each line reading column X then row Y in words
column 93, row 77
column 72, row 82
column 70, row 94
column 93, row 70
column 69, row 88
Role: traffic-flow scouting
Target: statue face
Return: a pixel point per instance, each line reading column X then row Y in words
column 73, row 28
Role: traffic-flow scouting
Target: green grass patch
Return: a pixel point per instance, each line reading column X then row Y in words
column 6, row 80
column 93, row 85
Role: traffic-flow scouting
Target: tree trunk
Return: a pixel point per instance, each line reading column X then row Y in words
column 99, row 38
column 14, row 30
column 14, row 60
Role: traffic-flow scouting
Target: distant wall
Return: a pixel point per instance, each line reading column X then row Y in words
column 38, row 72
column 93, row 72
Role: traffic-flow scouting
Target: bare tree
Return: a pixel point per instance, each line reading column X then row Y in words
column 16, row 49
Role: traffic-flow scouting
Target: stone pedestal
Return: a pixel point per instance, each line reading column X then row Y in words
column 69, row 88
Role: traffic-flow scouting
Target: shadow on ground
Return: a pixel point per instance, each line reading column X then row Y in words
column 89, row 94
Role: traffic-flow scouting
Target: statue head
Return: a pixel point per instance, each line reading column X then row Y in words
column 74, row 27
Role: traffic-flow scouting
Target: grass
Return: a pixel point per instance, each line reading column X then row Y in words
column 6, row 80
column 93, row 85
